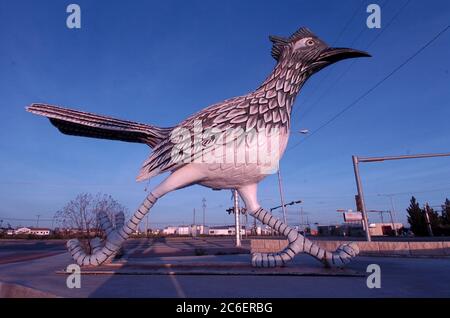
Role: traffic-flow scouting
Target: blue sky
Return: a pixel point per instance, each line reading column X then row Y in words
column 160, row 61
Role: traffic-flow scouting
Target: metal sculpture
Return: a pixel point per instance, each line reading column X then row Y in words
column 230, row 145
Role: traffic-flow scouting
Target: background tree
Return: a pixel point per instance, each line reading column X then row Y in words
column 435, row 220
column 446, row 212
column 82, row 212
column 445, row 218
column 416, row 218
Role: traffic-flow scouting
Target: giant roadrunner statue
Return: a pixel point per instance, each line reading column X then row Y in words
column 230, row 145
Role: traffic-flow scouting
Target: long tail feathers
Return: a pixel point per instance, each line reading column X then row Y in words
column 78, row 123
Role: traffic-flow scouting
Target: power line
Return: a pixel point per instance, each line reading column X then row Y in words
column 339, row 78
column 415, row 192
column 345, row 27
column 370, row 90
column 18, row 219
column 349, row 21
column 389, row 23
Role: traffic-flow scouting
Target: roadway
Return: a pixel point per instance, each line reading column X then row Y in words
column 400, row 277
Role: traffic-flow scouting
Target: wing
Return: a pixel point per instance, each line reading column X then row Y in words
column 218, row 124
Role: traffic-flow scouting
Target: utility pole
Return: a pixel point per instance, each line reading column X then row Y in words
column 393, row 224
column 308, row 224
column 302, row 227
column 37, row 221
column 427, row 219
column 361, row 197
column 382, row 219
column 246, row 223
column 280, row 187
column 204, row 213
column 194, row 232
column 392, row 212
column 280, row 183
column 146, row 226
column 236, row 218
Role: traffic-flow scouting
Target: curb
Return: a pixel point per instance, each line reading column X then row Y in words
column 243, row 271
column 382, row 248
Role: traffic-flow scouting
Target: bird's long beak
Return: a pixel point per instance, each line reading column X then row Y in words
column 333, row 55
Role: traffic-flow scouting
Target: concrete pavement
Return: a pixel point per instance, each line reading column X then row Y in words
column 400, row 277
column 23, row 250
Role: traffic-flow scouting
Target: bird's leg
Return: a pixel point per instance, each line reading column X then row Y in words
column 104, row 251
column 297, row 243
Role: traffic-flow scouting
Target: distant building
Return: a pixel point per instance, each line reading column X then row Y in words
column 40, row 231
column 69, row 230
column 225, row 230
column 183, row 230
column 381, row 229
column 199, row 230
column 264, row 230
column 186, row 230
column 22, row 230
column 170, row 230
column 356, row 229
column 154, row 231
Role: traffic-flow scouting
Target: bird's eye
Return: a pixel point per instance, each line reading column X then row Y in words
column 303, row 43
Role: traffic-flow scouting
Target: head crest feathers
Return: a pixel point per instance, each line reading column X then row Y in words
column 278, row 45
column 280, row 42
column 301, row 33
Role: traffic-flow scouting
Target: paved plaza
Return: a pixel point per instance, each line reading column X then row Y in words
column 36, row 264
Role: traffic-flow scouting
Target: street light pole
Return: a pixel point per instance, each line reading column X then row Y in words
column 280, row 183
column 204, row 212
column 246, row 224
column 301, row 219
column 194, row 232
column 393, row 223
column 361, row 197
column 392, row 212
column 236, row 218
column 393, row 216
column 280, row 187
column 382, row 220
